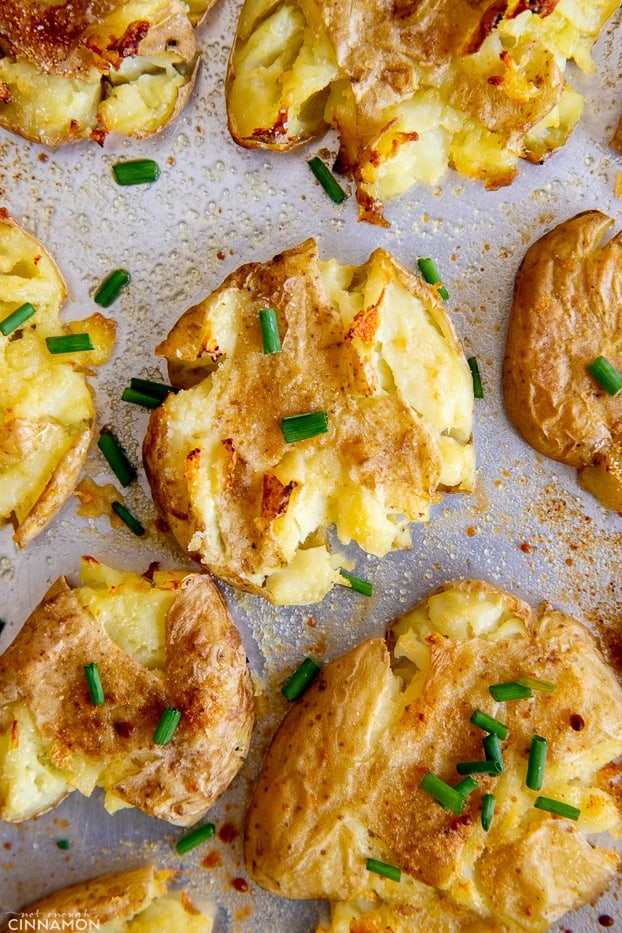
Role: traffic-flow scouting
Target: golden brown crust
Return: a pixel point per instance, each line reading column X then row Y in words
column 116, row 896
column 205, row 677
column 566, row 313
column 341, row 780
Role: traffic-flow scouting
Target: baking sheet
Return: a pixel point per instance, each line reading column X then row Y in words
column 528, row 527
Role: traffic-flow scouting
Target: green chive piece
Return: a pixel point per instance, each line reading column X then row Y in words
column 136, row 172
column 360, row 586
column 535, row 765
column 157, row 389
column 479, row 767
column 557, row 807
column 466, row 785
column 130, row 520
column 478, row 391
column 381, row 868
column 534, row 683
column 328, row 182
column 116, row 457
column 194, row 838
column 302, row 678
column 484, row 721
column 140, row 398
column 16, row 318
column 429, row 272
column 169, row 720
column 93, row 680
column 488, row 808
column 270, row 331
column 301, row 427
column 606, row 374
column 492, row 750
column 111, row 287
column 511, row 690
column 69, row 343
column 63, row 844
column 443, row 793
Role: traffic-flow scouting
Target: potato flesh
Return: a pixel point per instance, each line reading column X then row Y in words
column 132, row 611
column 394, row 136
column 162, row 916
column 46, row 409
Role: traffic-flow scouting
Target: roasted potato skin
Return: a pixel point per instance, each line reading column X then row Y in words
column 566, row 312
column 205, row 676
column 116, row 896
column 341, row 779
column 408, row 93
column 245, row 502
column 62, row 66
column 35, row 415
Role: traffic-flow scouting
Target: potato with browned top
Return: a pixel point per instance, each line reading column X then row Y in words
column 412, row 88
column 46, row 406
column 567, row 312
column 87, row 68
column 373, row 349
column 341, row 782
column 134, row 901
column 160, row 642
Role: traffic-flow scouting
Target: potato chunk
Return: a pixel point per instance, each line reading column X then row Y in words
column 370, row 346
column 166, row 641
column 46, row 407
column 342, row 779
column 409, row 93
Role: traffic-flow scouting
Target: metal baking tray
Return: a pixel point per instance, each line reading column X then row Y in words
column 528, row 527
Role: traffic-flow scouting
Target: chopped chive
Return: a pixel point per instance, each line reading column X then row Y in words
column 96, row 691
column 360, row 586
column 69, row 343
column 534, row 683
column 492, row 749
column 484, row 721
column 381, row 868
column 116, row 457
column 429, row 272
column 478, row 391
column 270, row 331
column 111, row 287
column 126, row 516
column 328, row 182
column 606, row 374
column 535, row 765
column 511, row 690
column 302, row 678
column 136, row 172
column 63, row 844
column 479, row 767
column 157, row 389
column 488, row 808
column 557, row 807
column 140, row 398
column 466, row 785
column 16, row 318
column 194, row 838
column 301, row 427
column 443, row 793
column 169, row 720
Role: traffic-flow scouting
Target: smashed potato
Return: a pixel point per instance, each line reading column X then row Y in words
column 373, row 348
column 46, row 407
column 161, row 642
column 341, row 782
column 565, row 314
column 408, row 92
column 80, row 69
column 134, row 901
